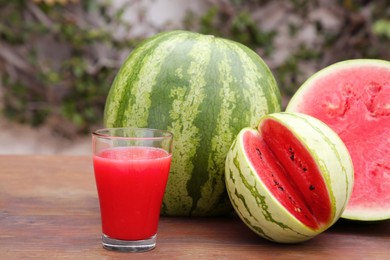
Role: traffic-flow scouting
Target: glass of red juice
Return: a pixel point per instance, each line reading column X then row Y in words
column 131, row 168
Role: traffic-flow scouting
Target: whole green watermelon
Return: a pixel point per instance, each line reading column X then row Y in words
column 204, row 90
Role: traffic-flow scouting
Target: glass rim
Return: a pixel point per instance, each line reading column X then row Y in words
column 106, row 133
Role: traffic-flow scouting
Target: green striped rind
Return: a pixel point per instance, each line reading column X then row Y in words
column 203, row 89
column 255, row 204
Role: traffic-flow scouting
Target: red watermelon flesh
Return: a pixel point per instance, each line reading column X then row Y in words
column 353, row 98
column 290, row 173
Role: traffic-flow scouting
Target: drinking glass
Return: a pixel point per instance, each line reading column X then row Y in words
column 131, row 167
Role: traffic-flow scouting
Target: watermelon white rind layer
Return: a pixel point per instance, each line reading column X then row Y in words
column 204, row 90
column 353, row 98
column 260, row 206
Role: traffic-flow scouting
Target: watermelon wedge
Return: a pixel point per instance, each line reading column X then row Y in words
column 290, row 179
column 353, row 98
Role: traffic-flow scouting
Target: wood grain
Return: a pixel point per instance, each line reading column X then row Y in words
column 49, row 210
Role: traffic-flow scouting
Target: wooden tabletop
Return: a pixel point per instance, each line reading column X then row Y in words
column 49, row 210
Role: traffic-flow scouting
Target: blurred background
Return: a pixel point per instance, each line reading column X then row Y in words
column 58, row 57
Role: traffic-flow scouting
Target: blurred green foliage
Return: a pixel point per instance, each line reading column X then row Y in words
column 58, row 58
column 362, row 32
column 382, row 28
column 60, row 63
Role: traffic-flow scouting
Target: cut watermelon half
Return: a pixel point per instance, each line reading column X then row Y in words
column 290, row 179
column 353, row 98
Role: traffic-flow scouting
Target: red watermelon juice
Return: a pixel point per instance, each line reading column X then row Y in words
column 131, row 183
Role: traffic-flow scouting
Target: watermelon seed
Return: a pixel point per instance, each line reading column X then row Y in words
column 259, row 153
column 280, row 187
column 311, row 187
column 292, row 154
